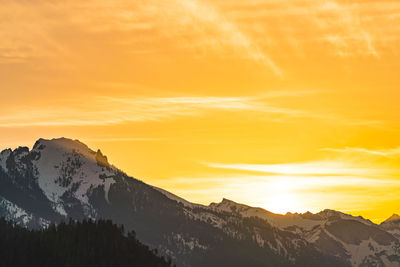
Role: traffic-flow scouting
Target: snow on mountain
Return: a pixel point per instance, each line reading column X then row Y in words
column 355, row 238
column 67, row 165
column 3, row 158
column 361, row 241
column 277, row 220
column 61, row 168
column 63, row 178
column 306, row 221
column 15, row 213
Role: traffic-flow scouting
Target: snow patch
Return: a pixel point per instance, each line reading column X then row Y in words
column 70, row 165
column 3, row 158
column 15, row 213
column 277, row 220
column 283, row 221
column 189, row 242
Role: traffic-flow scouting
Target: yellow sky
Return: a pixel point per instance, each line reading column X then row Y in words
column 291, row 105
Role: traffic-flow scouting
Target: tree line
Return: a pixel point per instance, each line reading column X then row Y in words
column 73, row 244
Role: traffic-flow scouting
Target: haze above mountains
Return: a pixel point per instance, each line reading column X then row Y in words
column 62, row 178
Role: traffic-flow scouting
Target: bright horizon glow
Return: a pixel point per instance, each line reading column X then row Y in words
column 289, row 105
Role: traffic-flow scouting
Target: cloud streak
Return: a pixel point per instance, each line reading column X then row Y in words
column 247, row 29
column 383, row 152
column 230, row 34
column 350, row 29
column 281, row 182
column 319, row 168
column 106, row 110
column 132, row 26
column 117, row 110
column 286, row 193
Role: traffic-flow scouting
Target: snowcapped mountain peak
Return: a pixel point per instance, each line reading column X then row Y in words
column 62, row 178
column 63, row 168
column 328, row 213
column 63, row 144
column 229, row 202
column 333, row 215
column 230, row 206
column 226, row 202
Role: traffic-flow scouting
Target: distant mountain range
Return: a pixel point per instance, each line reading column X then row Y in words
column 63, row 178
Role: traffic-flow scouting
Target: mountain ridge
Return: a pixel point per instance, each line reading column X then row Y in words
column 63, row 178
column 102, row 159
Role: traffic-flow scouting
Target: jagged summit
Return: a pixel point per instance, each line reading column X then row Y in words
column 230, row 205
column 62, row 143
column 326, row 213
column 61, row 168
column 64, row 140
column 225, row 201
column 101, row 159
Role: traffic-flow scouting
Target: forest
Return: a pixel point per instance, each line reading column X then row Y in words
column 73, row 244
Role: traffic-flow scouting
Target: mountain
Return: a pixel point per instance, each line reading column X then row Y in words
column 63, row 178
column 359, row 241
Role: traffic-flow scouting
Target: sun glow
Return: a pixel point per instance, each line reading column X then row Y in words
column 283, row 203
column 281, row 198
column 289, row 105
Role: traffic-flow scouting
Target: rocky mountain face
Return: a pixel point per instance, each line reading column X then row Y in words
column 63, row 178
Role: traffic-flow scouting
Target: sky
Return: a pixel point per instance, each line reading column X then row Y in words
column 289, row 105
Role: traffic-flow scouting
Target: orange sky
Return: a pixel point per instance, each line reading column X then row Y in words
column 291, row 105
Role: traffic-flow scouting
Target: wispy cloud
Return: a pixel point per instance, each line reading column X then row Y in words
column 352, row 37
column 245, row 29
column 324, row 168
column 382, row 152
column 283, row 181
column 228, row 33
column 283, row 193
column 117, row 110
column 106, row 110
column 134, row 27
column 121, row 139
column 349, row 28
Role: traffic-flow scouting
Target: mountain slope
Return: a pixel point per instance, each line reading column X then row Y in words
column 355, row 239
column 62, row 178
